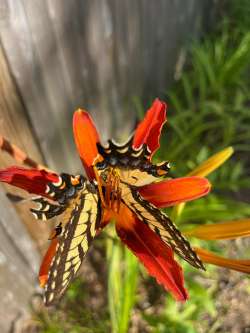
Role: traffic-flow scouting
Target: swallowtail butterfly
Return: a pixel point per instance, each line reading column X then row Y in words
column 120, row 170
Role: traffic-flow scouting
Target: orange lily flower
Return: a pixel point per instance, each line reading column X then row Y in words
column 222, row 231
column 204, row 169
column 123, row 184
column 219, row 231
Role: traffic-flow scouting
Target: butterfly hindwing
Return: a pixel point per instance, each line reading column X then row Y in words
column 161, row 224
column 83, row 216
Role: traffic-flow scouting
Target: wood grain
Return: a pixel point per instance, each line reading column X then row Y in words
column 98, row 55
column 15, row 126
column 18, row 265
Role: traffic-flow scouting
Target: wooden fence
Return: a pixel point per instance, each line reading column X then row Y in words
column 56, row 56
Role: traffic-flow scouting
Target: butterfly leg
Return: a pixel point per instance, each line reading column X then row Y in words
column 56, row 232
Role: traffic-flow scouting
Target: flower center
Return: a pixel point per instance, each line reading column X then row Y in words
column 108, row 182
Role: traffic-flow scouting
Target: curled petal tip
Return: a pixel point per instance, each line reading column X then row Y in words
column 208, row 257
column 43, row 280
column 213, row 163
column 149, row 130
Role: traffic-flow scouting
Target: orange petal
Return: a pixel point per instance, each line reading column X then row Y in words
column 173, row 191
column 205, row 169
column 155, row 255
column 31, row 180
column 234, row 264
column 107, row 216
column 86, row 138
column 149, row 130
column 225, row 230
column 213, row 163
column 44, row 269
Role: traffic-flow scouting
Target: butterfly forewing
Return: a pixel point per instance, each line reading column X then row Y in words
column 161, row 224
column 83, row 216
column 133, row 165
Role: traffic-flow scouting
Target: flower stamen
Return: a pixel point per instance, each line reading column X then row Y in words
column 108, row 183
column 99, row 185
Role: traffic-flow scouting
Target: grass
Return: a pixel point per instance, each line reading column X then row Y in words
column 208, row 111
column 122, row 285
column 73, row 315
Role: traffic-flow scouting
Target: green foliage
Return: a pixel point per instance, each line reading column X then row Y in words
column 213, row 208
column 122, row 285
column 239, row 13
column 209, row 109
column 73, row 314
column 178, row 318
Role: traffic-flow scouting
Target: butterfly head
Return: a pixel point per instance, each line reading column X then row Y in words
column 130, row 165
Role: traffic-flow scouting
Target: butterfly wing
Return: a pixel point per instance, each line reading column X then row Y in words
column 62, row 194
column 134, row 165
column 83, row 217
column 160, row 223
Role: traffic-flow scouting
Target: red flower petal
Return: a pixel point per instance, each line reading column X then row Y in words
column 86, row 138
column 31, row 180
column 156, row 256
column 44, row 268
column 174, row 191
column 149, row 130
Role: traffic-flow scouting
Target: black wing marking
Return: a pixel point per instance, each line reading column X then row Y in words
column 161, row 224
column 62, row 192
column 66, row 188
column 46, row 209
column 134, row 164
column 74, row 242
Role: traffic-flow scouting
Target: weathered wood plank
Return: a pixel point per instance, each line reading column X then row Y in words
column 15, row 126
column 19, row 254
column 93, row 54
column 18, row 265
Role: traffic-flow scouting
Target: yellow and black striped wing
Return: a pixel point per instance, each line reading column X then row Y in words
column 161, row 224
column 82, row 219
column 133, row 164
